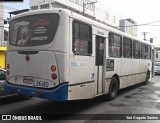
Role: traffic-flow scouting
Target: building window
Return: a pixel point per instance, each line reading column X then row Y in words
column 71, row 0
column 5, row 35
column 45, row 6
column 114, row 19
column 81, row 2
column 34, row 7
column 106, row 15
column 77, row 2
column 115, row 45
column 127, row 47
column 148, row 51
column 82, row 38
column 88, row 7
column 54, row 5
column 136, row 49
column 143, row 51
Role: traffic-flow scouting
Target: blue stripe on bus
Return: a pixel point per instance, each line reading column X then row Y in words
column 57, row 94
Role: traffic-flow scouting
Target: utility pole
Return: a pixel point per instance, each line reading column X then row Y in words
column 84, row 4
column 144, row 33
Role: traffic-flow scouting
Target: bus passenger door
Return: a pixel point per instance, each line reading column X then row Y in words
column 100, row 53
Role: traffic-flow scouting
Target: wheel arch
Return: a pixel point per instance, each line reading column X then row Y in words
column 117, row 77
column 148, row 72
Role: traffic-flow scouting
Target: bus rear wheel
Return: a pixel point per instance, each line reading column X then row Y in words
column 113, row 89
column 147, row 78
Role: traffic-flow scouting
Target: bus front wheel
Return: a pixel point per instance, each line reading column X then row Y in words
column 113, row 89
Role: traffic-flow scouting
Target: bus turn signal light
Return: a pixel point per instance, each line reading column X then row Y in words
column 54, row 76
column 53, row 68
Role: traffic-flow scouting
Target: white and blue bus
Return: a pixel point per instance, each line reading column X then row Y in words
column 60, row 55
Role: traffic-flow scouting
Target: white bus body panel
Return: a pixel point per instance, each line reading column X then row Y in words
column 83, row 72
column 56, row 53
column 34, row 69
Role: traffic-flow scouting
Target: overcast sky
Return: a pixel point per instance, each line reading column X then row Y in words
column 141, row 11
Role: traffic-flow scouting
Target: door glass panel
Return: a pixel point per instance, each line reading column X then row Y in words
column 99, row 50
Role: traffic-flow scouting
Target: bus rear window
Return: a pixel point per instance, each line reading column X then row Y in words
column 33, row 30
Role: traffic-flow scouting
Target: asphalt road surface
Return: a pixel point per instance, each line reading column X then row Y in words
column 138, row 99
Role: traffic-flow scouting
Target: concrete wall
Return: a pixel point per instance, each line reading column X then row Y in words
column 127, row 27
column 93, row 10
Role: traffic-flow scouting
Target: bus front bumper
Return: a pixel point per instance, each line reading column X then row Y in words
column 60, row 93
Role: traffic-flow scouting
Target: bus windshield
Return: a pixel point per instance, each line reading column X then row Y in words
column 33, row 30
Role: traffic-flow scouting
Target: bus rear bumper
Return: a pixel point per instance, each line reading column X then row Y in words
column 59, row 93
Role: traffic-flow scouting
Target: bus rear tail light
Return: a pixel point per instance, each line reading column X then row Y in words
column 53, row 68
column 27, row 57
column 8, row 73
column 8, row 66
column 54, row 76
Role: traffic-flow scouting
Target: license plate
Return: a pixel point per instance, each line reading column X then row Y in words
column 36, row 83
column 28, row 81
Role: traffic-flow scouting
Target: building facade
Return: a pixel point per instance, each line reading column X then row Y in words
column 2, row 42
column 1, row 22
column 127, row 26
column 2, row 56
column 79, row 6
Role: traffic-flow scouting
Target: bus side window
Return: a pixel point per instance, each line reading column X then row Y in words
column 127, row 47
column 148, row 51
column 82, row 38
column 136, row 49
column 115, row 45
column 143, row 51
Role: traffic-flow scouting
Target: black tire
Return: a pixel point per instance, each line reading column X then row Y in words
column 113, row 89
column 23, row 97
column 147, row 78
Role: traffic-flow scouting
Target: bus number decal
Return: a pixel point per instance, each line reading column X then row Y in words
column 92, row 75
column 43, row 84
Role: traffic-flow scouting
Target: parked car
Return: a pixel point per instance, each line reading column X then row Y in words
column 2, row 80
column 157, row 68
